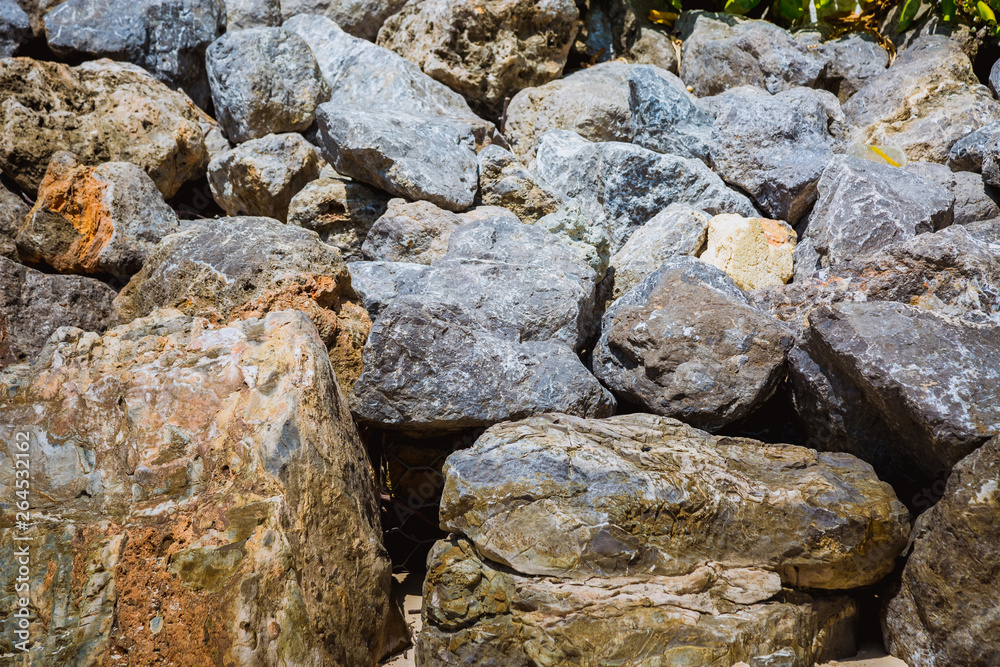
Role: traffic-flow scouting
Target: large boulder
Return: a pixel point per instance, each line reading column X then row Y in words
column 379, row 283
column 359, row 18
column 34, row 304
column 101, row 111
column 13, row 211
column 15, row 28
column 264, row 81
column 665, row 118
column 686, row 343
column 237, row 268
column 198, row 493
column 946, row 605
column 340, row 210
column 485, row 52
column 490, row 333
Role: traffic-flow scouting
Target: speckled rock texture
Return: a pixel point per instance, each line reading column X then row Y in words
column 379, row 283
column 664, row 116
column 241, row 14
column 851, row 60
column 341, row 211
column 360, row 18
column 974, row 199
column 200, row 494
column 13, row 211
column 15, row 28
column 967, row 153
column 754, row 252
column 504, row 181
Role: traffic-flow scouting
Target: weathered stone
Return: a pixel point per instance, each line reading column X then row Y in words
column 101, row 111
column 237, row 268
column 479, row 613
column 264, row 81
column 503, row 181
column 621, row 30
column 485, row 52
column 13, row 211
column 15, row 28
column 754, row 252
column 851, row 60
column 200, row 496
column 946, row 604
column 34, row 304
column 490, row 334
column 417, row 157
column 622, row 186
column 991, row 163
column 863, row 206
column 260, row 176
column 360, row 18
column 577, row 231
column 378, row 283
column 167, row 38
column 974, row 200
column 664, row 118
column 686, row 343
column 967, row 153
column 242, row 14
column 418, row 232
column 929, row 99
column 95, row 220
column 340, row 211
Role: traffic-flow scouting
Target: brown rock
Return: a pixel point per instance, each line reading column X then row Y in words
column 341, row 211
column 13, row 211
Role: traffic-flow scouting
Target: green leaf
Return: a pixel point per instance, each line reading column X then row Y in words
column 985, row 12
column 740, row 7
column 790, row 9
column 948, row 10
column 910, row 8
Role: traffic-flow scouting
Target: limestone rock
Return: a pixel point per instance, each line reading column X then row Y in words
column 378, row 283
column 101, row 111
column 340, row 211
column 503, row 181
column 417, row 157
column 754, row 252
column 34, row 304
column 967, row 153
column 264, row 81
column 686, row 343
column 13, row 211
column 359, row 18
column 974, row 200
column 576, row 230
column 260, row 176
column 665, row 119
column 851, row 60
column 15, row 28
column 237, row 268
column 242, row 14
column 485, row 52
column 201, row 495
column 95, row 220
column 490, row 334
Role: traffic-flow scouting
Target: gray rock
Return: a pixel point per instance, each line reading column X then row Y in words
column 577, row 230
column 13, row 211
column 340, row 211
column 864, row 206
column 167, row 38
column 946, row 603
column 264, row 81
column 974, row 200
column 994, row 78
column 15, row 28
column 986, row 231
column 967, row 153
column 722, row 51
column 621, row 30
column 490, row 334
column 242, row 14
column 379, row 283
column 991, row 163
column 417, row 157
column 665, row 119
column 503, row 181
column 622, row 186
column 359, row 18
column 34, row 304
column 686, row 343
column 260, row 176
column 851, row 60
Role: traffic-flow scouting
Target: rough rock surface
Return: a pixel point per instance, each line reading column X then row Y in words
column 754, row 252
column 340, row 211
column 13, row 211
column 504, row 181
column 101, row 111
column 928, row 100
column 167, row 38
column 974, row 200
column 236, row 268
column 15, row 28
column 199, row 494
column 378, row 283
column 260, row 176
column 686, row 343
column 360, row 18
column 417, row 157
column 264, row 81
column 851, row 60
column 485, row 52
column 946, row 604
column 490, row 334
column 242, row 14
column 34, row 304
column 664, row 118
column 967, row 153
column 575, row 228
column 95, row 220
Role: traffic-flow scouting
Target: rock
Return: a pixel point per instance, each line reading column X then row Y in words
column 15, row 28
column 242, row 14
column 851, row 60
column 418, row 232
column 637, row 38
column 13, row 211
column 622, row 186
column 167, row 38
column 926, row 382
column 485, row 52
column 264, row 81
column 479, row 613
column 576, row 230
column 238, row 268
column 102, row 220
column 359, row 18
column 974, row 200
column 991, row 163
column 340, row 211
column 676, row 230
column 864, row 206
column 101, row 111
column 928, row 100
column 503, row 181
column 754, row 252
column 260, row 176
column 190, row 481
column 665, row 119
column 416, row 157
column 34, row 304
column 967, row 153
column 722, row 51
column 378, row 283
column 686, row 343
column 490, row 334
column 946, row 602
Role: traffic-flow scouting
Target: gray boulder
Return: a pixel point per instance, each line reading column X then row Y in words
column 974, row 200
column 242, row 14
column 359, row 18
column 851, row 60
column 15, row 28
column 621, row 30
column 13, row 211
column 418, row 157
column 264, row 81
column 379, row 283
column 665, row 119
column 967, row 153
column 686, row 343
column 341, row 211
column 504, row 181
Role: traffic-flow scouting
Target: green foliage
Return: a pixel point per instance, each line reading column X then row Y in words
column 740, row 7
column 910, row 8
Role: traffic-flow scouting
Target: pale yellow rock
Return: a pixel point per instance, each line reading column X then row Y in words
column 754, row 252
